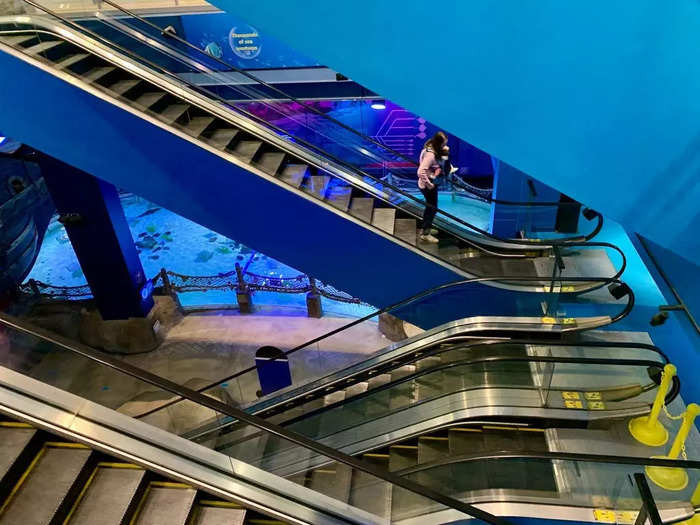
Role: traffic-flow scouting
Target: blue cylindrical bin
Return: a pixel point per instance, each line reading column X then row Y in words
column 273, row 369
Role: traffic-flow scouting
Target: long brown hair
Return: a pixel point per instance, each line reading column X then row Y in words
column 437, row 142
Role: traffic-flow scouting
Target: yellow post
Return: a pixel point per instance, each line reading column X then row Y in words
column 647, row 429
column 695, row 502
column 673, row 478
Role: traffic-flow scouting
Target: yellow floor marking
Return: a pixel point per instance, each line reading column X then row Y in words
column 170, row 485
column 81, row 495
column 61, row 444
column 107, row 464
column 224, row 504
column 14, row 424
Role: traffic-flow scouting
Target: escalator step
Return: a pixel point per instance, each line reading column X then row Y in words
column 317, row 185
column 333, row 397
column 17, row 41
column 339, row 196
column 97, row 73
column 122, row 87
column 166, row 504
column 109, row 496
column 198, row 125
column 219, row 513
column 377, row 381
column 402, row 457
column 173, row 112
column 370, row 493
column 432, row 448
column 14, row 442
column 405, row 229
column 294, row 174
column 222, row 138
column 432, row 385
column 148, row 100
column 47, row 49
column 465, row 441
column 246, row 149
column 383, row 218
column 356, row 389
column 362, row 207
column 52, row 479
column 333, row 480
column 271, row 162
column 71, row 60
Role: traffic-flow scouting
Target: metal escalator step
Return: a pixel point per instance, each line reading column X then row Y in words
column 294, row 174
column 405, row 229
column 219, row 515
column 246, row 149
column 431, row 386
column 432, row 448
column 17, row 41
column 402, row 395
column 173, row 112
column 370, row 493
column 122, row 87
column 15, row 443
column 333, row 397
column 148, row 100
column 357, row 388
column 402, row 456
column 109, row 496
column 339, row 197
column 317, row 185
column 271, row 161
column 465, row 441
column 45, row 48
column 533, row 440
column 222, row 138
column 378, row 380
column 166, row 504
column 333, row 480
column 71, row 60
column 362, row 207
column 383, row 218
column 97, row 73
column 52, row 479
column 198, row 125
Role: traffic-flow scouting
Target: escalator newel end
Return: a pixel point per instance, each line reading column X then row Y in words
column 618, row 291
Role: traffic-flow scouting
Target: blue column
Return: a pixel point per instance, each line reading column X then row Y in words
column 511, row 184
column 94, row 219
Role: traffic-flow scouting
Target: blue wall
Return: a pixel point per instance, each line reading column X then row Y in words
column 597, row 100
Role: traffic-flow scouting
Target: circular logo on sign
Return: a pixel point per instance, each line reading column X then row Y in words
column 245, row 41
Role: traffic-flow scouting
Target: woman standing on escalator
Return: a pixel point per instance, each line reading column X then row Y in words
column 428, row 171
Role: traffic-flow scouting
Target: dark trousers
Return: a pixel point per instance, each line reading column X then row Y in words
column 431, row 201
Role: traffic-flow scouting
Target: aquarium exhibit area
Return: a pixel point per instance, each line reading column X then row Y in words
column 263, row 264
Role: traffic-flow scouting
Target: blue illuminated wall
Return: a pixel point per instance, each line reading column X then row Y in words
column 233, row 39
column 597, row 100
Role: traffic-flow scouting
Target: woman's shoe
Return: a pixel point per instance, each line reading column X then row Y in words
column 428, row 238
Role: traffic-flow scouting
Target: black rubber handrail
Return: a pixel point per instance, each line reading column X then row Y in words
column 272, row 429
column 629, row 293
column 395, row 189
column 564, row 456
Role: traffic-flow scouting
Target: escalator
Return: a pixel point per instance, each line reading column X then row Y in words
column 45, row 479
column 224, row 152
column 482, row 469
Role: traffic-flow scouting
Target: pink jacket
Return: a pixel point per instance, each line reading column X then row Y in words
column 427, row 169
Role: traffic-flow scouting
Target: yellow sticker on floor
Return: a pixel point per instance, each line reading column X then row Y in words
column 570, row 395
column 573, row 404
column 604, row 516
column 567, row 288
column 596, row 405
column 568, row 320
column 627, row 517
column 593, row 396
column 549, row 320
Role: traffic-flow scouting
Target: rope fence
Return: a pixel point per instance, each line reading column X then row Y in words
column 234, row 280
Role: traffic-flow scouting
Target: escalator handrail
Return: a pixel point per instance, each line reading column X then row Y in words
column 325, row 116
column 217, row 406
column 628, row 308
column 466, row 363
column 534, row 243
column 563, row 456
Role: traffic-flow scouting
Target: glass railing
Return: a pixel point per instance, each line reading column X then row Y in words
column 332, row 145
column 417, row 324
column 100, row 379
column 601, row 487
